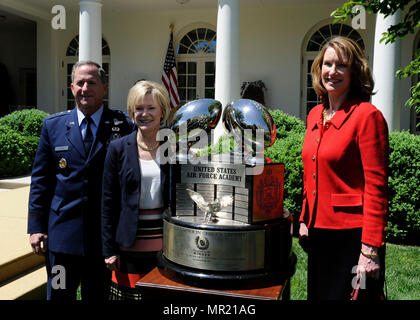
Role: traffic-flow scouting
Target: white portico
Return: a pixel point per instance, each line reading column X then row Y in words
column 218, row 44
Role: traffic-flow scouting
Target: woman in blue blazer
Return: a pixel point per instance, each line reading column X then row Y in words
column 134, row 192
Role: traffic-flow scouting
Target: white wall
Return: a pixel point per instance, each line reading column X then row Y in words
column 271, row 50
column 138, row 45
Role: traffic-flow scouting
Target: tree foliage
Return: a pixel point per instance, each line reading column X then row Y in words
column 409, row 24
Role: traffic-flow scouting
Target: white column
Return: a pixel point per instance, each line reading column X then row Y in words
column 90, row 31
column 386, row 61
column 227, row 85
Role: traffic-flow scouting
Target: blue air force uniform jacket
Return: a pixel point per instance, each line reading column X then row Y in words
column 66, row 185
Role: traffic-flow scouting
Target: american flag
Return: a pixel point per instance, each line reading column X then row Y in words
column 169, row 75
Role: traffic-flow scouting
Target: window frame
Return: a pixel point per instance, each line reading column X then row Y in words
column 311, row 55
column 200, row 58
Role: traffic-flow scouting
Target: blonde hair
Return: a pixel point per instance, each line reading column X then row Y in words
column 140, row 90
column 362, row 83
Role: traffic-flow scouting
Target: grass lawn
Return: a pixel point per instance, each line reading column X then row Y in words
column 402, row 273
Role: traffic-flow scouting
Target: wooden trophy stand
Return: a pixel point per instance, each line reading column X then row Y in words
column 155, row 285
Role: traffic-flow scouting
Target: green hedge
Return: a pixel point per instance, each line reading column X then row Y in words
column 28, row 122
column 285, row 124
column 404, row 180
column 19, row 138
column 287, row 149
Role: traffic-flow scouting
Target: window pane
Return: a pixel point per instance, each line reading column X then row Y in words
column 191, row 94
column 193, row 35
column 312, row 46
column 209, row 81
column 209, row 93
column 211, row 48
column 182, row 66
column 309, row 79
column 210, row 68
column 200, row 45
column 71, row 52
column 191, row 81
column 181, row 93
column 74, row 43
column 210, row 34
column 192, row 67
column 346, row 30
column 69, row 68
column 311, row 95
column 336, row 29
column 186, row 42
column 201, row 33
column 181, row 49
column 182, row 81
column 309, row 65
column 318, row 38
column 105, row 51
column 325, row 31
column 198, row 40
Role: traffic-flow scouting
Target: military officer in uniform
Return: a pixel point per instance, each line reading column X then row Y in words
column 64, row 220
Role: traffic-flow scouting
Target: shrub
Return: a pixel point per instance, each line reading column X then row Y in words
column 17, row 152
column 19, row 138
column 28, row 122
column 289, row 151
column 404, row 204
column 286, row 123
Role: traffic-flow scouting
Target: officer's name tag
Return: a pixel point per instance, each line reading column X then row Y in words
column 62, row 148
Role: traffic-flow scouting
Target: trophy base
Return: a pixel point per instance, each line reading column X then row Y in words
column 224, row 280
column 226, row 254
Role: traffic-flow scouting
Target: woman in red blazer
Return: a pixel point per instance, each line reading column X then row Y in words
column 345, row 156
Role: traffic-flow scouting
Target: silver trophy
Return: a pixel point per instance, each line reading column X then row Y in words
column 216, row 233
column 253, row 128
column 193, row 119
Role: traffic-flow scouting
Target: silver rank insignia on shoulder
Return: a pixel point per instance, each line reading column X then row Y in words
column 62, row 163
column 117, row 122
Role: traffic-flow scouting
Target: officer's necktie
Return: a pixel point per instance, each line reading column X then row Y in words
column 88, row 139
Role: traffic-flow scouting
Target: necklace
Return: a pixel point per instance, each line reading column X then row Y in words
column 144, row 147
column 325, row 117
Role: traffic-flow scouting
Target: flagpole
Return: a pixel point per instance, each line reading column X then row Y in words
column 169, row 74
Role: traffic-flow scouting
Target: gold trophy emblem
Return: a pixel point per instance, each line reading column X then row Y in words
column 62, row 163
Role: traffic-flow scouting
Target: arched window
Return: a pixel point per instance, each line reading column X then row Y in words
column 196, row 52
column 72, row 56
column 314, row 45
